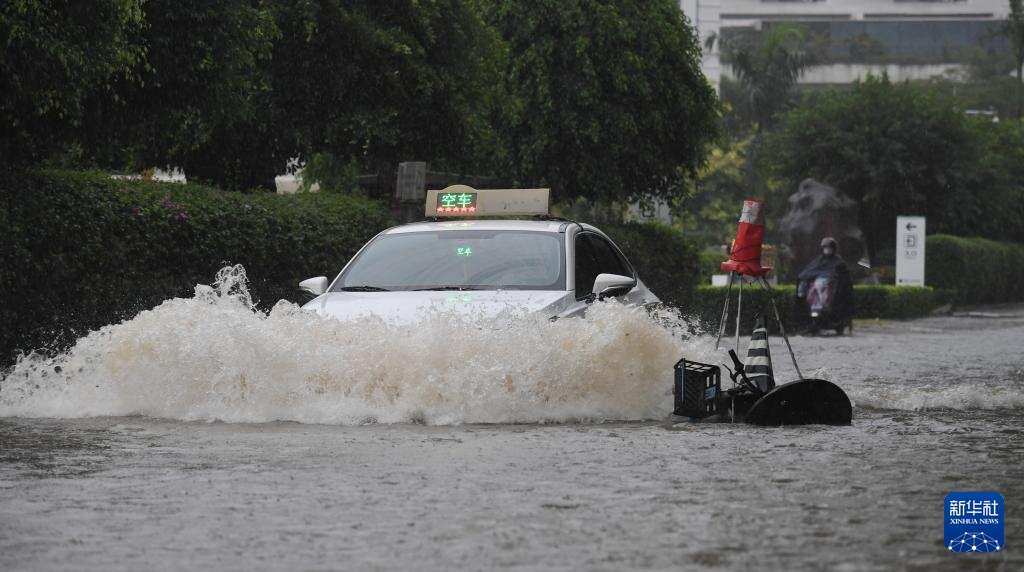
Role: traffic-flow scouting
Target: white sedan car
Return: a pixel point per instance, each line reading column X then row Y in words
column 482, row 267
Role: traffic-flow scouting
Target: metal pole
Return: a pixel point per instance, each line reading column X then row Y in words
column 782, row 328
column 739, row 313
column 725, row 313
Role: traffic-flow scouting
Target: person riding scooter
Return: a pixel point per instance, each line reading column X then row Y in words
column 827, row 287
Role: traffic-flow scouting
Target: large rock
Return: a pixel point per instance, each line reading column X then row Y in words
column 817, row 210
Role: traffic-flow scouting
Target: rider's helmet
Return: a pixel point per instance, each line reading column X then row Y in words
column 829, row 245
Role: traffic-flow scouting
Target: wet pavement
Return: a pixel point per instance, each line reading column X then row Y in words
column 124, row 493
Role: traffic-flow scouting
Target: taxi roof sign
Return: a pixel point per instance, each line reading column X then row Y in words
column 465, row 201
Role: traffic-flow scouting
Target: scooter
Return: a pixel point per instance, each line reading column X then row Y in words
column 820, row 295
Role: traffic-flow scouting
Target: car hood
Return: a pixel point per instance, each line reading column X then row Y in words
column 406, row 307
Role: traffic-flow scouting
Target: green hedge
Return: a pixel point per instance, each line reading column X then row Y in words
column 894, row 303
column 80, row 250
column 711, row 264
column 886, row 302
column 666, row 262
column 975, row 270
column 706, row 306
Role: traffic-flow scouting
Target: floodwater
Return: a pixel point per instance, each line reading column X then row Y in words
column 203, row 434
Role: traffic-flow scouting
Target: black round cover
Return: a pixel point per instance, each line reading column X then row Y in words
column 803, row 402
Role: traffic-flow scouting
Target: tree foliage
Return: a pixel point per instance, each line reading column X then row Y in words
column 709, row 212
column 202, row 96
column 985, row 83
column 607, row 97
column 1014, row 30
column 597, row 98
column 901, row 149
column 56, row 54
column 380, row 83
column 990, row 203
column 767, row 66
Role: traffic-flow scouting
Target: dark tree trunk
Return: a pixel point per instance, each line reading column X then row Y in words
column 1020, row 89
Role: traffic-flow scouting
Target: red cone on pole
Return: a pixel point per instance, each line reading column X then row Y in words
column 745, row 257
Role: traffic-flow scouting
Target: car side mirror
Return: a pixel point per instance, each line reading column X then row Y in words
column 315, row 286
column 612, row 285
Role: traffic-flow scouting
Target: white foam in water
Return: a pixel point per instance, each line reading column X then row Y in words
column 213, row 357
column 961, row 397
column 910, row 394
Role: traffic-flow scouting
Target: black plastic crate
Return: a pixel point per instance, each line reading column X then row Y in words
column 696, row 389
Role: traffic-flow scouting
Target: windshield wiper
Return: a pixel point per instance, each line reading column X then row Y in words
column 363, row 289
column 448, row 288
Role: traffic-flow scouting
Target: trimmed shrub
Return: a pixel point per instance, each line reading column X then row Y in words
column 80, row 250
column 711, row 264
column 706, row 307
column 885, row 302
column 975, row 270
column 666, row 262
column 893, row 303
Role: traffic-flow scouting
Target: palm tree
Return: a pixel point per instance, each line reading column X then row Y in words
column 769, row 69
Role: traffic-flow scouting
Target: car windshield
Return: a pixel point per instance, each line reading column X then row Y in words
column 459, row 260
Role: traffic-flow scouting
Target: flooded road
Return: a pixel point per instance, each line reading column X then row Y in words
column 126, row 493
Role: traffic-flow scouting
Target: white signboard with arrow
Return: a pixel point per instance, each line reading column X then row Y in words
column 910, row 251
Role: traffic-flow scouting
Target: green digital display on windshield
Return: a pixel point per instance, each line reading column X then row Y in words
column 464, row 251
column 448, row 203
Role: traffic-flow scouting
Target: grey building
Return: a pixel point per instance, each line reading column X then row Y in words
column 908, row 39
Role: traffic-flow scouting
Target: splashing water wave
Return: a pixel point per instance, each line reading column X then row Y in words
column 213, row 357
column 964, row 396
